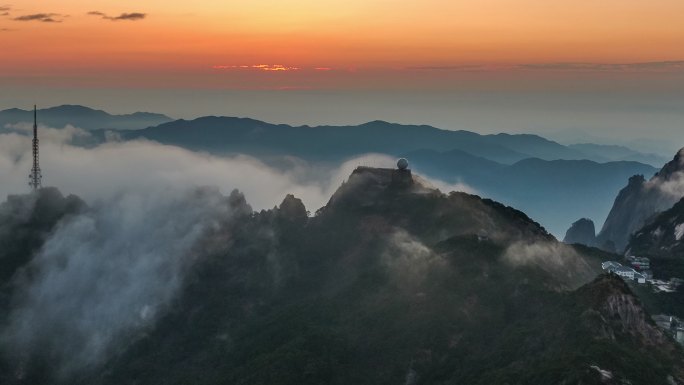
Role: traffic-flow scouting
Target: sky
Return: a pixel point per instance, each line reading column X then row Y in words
column 609, row 70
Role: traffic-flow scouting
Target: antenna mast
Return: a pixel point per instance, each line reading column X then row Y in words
column 35, row 178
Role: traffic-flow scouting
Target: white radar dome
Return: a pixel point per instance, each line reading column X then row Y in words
column 402, row 164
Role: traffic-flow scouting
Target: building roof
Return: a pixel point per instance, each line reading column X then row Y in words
column 608, row 264
column 622, row 269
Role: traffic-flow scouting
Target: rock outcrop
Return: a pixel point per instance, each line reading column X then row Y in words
column 640, row 201
column 621, row 312
column 582, row 232
column 663, row 237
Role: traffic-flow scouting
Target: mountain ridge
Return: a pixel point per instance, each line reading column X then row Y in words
column 607, row 153
column 641, row 200
column 228, row 134
column 82, row 117
column 391, row 279
column 510, row 147
column 502, row 147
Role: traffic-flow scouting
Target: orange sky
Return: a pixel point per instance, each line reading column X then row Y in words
column 182, row 43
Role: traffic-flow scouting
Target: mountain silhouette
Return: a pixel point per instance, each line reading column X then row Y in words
column 82, row 117
column 224, row 135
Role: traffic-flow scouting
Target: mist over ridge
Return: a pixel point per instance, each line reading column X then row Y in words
column 113, row 167
column 496, row 166
column 133, row 285
column 553, row 182
column 263, row 266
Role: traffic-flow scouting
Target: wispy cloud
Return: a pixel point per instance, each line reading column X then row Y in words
column 131, row 16
column 676, row 65
column 258, row 67
column 459, row 67
column 4, row 11
column 658, row 66
column 41, row 17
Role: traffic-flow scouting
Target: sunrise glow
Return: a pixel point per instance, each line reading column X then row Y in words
column 150, row 41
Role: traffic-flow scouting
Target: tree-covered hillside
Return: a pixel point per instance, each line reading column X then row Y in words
column 390, row 282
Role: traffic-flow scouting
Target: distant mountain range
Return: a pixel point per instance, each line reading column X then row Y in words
column 228, row 134
column 610, row 153
column 554, row 192
column 224, row 135
column 82, row 117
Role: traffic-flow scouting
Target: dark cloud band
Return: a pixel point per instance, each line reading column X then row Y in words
column 131, row 16
column 42, row 17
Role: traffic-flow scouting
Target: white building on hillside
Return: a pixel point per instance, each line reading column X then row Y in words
column 623, row 271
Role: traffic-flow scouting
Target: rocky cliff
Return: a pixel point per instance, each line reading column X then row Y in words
column 620, row 312
column 662, row 237
column 640, row 201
